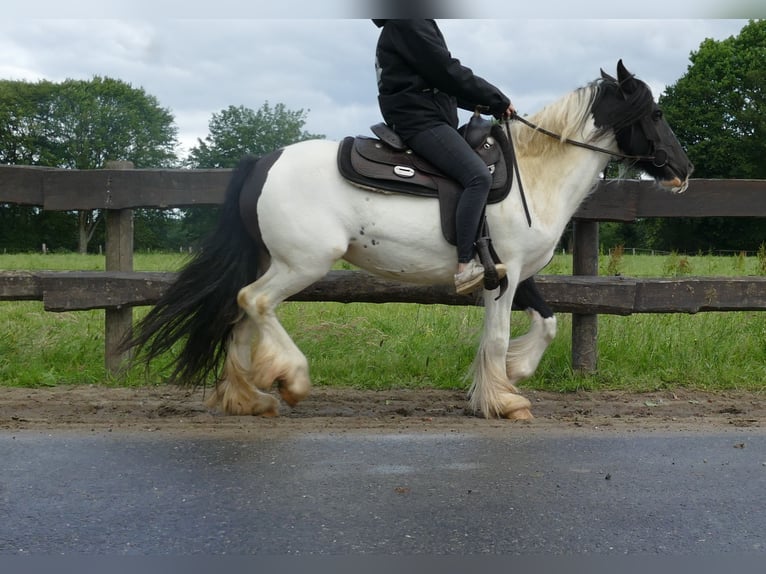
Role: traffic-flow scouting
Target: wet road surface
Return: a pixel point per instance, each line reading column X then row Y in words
column 551, row 493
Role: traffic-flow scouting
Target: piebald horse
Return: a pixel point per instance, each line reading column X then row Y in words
column 289, row 216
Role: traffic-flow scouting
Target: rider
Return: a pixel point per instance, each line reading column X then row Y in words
column 420, row 86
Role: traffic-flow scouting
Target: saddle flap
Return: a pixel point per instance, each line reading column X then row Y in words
column 370, row 158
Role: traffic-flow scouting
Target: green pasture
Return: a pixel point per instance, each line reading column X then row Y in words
column 403, row 345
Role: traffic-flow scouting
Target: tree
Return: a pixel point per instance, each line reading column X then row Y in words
column 718, row 111
column 238, row 131
column 106, row 119
column 80, row 124
column 235, row 132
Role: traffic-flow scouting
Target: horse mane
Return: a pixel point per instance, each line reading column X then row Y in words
column 573, row 115
column 567, row 117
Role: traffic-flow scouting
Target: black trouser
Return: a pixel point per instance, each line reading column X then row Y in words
column 446, row 149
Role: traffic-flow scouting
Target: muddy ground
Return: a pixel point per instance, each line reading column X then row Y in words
column 180, row 410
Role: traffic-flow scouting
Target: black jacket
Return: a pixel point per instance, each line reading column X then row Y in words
column 420, row 84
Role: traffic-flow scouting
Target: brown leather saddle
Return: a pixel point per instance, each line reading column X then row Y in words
column 385, row 164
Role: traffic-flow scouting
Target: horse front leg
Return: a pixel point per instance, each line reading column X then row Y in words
column 524, row 353
column 492, row 392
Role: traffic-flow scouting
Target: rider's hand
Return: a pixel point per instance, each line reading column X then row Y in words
column 509, row 113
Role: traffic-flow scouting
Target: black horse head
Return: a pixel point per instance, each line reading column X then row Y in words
column 625, row 104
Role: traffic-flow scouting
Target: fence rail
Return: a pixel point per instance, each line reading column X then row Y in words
column 120, row 189
column 84, row 290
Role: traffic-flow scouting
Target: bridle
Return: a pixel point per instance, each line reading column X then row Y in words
column 659, row 159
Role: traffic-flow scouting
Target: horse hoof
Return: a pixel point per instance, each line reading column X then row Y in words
column 290, row 397
column 515, row 407
column 243, row 403
column 295, row 391
column 519, row 415
column 265, row 407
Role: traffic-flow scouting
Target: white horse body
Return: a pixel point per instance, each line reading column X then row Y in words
column 399, row 236
column 296, row 215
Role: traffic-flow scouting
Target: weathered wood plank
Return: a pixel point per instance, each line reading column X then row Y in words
column 589, row 295
column 628, row 200
column 123, row 189
column 22, row 185
column 80, row 290
column 613, row 200
column 83, row 290
column 20, row 286
column 695, row 294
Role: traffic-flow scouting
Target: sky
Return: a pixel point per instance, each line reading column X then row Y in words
column 197, row 65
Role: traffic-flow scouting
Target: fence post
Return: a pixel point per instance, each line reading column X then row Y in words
column 119, row 257
column 585, row 327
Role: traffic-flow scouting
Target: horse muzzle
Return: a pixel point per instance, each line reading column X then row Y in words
column 675, row 185
column 676, row 179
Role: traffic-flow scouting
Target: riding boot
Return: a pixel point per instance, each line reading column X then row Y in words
column 494, row 270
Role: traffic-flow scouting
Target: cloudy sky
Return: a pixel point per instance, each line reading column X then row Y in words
column 198, row 66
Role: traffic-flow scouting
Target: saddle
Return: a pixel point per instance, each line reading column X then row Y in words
column 385, row 164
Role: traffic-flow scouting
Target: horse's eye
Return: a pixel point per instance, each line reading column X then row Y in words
column 657, row 115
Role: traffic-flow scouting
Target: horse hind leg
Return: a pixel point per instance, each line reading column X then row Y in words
column 274, row 357
column 235, row 393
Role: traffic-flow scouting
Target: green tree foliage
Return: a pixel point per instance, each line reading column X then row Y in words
column 81, row 124
column 104, row 119
column 718, row 108
column 238, row 131
column 235, row 132
column 718, row 111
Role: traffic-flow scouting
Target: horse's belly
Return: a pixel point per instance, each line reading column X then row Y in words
column 400, row 237
column 414, row 260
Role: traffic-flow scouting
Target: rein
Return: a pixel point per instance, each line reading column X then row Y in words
column 515, row 163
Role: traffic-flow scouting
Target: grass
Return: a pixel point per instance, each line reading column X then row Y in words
column 400, row 345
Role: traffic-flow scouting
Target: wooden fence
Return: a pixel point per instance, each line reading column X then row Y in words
column 119, row 189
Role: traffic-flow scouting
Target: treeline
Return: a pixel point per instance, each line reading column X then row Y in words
column 25, row 229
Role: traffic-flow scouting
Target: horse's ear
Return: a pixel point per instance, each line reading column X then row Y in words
column 607, row 77
column 624, row 76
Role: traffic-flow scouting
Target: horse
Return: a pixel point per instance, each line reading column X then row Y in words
column 289, row 216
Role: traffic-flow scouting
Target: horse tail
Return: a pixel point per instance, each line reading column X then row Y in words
column 200, row 306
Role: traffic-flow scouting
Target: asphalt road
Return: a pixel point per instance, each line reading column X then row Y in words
column 366, row 493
